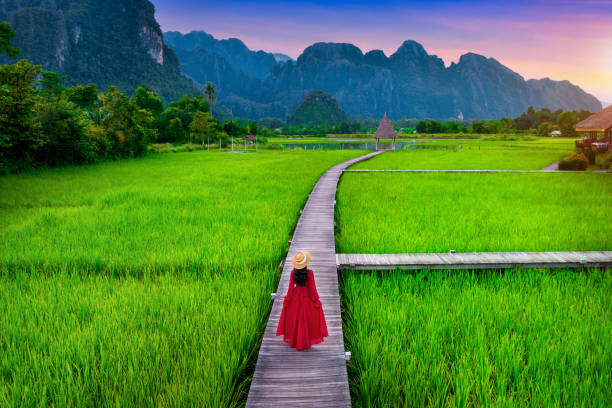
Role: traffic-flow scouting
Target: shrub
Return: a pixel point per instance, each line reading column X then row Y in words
column 588, row 153
column 604, row 161
column 575, row 161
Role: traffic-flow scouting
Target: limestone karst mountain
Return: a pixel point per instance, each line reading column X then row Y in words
column 102, row 42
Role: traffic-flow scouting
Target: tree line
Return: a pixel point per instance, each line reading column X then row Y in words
column 541, row 122
column 43, row 122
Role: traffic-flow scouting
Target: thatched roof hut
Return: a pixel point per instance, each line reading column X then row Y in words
column 385, row 129
column 598, row 122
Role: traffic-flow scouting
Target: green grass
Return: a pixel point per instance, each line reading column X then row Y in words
column 527, row 338
column 473, row 155
column 425, row 212
column 191, row 213
column 144, row 282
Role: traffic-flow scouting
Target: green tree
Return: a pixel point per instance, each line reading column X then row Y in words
column 509, row 123
column 175, row 131
column 63, row 125
column 184, row 108
column 84, row 96
column 566, row 122
column 121, row 123
column 271, row 123
column 545, row 128
column 253, row 128
column 203, row 128
column 50, row 84
column 210, row 90
column 19, row 135
column 146, row 98
column 6, row 36
column 421, row 127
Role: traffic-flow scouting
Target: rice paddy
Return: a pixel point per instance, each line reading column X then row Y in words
column 473, row 155
column 144, row 282
column 438, row 212
column 458, row 339
column 463, row 338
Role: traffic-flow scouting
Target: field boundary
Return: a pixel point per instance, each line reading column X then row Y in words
column 315, row 377
column 475, row 260
column 469, row 171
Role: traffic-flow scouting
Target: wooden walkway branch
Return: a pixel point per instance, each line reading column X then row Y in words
column 467, row 171
column 475, row 260
column 316, row 377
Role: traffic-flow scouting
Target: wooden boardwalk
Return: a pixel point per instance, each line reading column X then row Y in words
column 316, row 377
column 467, row 171
column 475, row 260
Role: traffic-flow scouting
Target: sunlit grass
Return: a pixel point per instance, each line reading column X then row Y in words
column 521, row 338
column 473, row 155
column 424, row 212
column 190, row 213
column 144, row 282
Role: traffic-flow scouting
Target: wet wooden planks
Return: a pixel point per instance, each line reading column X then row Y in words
column 475, row 260
column 315, row 377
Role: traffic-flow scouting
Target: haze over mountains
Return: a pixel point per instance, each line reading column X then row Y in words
column 120, row 43
column 409, row 83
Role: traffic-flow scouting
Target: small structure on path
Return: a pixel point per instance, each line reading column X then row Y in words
column 385, row 131
column 598, row 124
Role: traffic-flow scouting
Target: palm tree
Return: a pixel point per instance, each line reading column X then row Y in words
column 210, row 90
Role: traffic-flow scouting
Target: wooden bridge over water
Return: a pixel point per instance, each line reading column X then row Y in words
column 318, row 377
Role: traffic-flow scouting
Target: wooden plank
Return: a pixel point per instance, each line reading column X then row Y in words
column 459, row 171
column 315, row 377
column 475, row 260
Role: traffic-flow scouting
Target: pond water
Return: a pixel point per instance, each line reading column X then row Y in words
column 399, row 145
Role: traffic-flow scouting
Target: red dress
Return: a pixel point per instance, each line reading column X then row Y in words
column 302, row 322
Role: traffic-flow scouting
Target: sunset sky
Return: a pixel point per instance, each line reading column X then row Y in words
column 559, row 39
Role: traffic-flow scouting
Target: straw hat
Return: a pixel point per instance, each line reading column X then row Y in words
column 301, row 259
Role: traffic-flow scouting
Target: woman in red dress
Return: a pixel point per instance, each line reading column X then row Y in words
column 302, row 322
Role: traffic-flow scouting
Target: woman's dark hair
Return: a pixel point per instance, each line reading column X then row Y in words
column 300, row 276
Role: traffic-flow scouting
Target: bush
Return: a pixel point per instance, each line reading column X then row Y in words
column 588, row 153
column 604, row 161
column 575, row 161
column 170, row 148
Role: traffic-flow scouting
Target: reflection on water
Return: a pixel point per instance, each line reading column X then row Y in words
column 399, row 145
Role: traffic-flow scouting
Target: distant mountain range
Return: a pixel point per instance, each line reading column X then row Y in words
column 410, row 83
column 120, row 43
column 282, row 57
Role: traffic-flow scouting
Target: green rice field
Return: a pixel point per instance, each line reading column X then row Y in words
column 144, row 282
column 473, row 212
column 147, row 282
column 476, row 338
column 473, row 155
column 528, row 338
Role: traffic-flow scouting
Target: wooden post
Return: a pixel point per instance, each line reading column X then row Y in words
column 232, row 143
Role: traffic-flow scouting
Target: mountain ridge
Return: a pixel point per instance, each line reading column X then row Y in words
column 73, row 37
column 408, row 83
column 255, row 63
